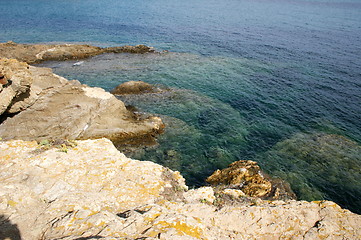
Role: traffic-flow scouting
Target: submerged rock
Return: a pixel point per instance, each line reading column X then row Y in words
column 134, row 87
column 214, row 138
column 319, row 166
column 91, row 191
column 53, row 107
column 248, row 177
column 36, row 53
column 130, row 49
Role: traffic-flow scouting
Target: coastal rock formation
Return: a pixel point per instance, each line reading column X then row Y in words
column 248, row 178
column 88, row 190
column 134, row 87
column 42, row 185
column 36, row 53
column 25, row 84
column 20, row 81
column 52, row 108
column 140, row 49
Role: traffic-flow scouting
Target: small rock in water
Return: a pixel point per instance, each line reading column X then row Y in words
column 248, row 177
column 134, row 87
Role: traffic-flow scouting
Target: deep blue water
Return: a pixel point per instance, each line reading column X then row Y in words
column 252, row 79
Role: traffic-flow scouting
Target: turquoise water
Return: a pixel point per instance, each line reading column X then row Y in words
column 276, row 81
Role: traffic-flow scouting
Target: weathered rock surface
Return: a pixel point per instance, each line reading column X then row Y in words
column 41, row 186
column 130, row 49
column 36, row 53
column 134, row 87
column 91, row 191
column 248, row 177
column 52, row 107
column 20, row 81
column 26, row 84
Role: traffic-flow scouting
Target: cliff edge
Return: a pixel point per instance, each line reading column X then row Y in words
column 89, row 190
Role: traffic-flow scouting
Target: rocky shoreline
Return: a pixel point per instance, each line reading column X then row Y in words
column 36, row 104
column 37, row 53
column 60, row 188
column 89, row 190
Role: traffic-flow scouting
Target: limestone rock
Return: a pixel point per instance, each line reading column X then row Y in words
column 26, row 83
column 36, row 53
column 134, row 87
column 248, row 177
column 202, row 194
column 91, row 191
column 77, row 112
column 40, row 185
column 177, row 221
column 235, row 193
column 52, row 108
column 21, row 80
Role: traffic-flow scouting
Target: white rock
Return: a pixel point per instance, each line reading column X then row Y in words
column 203, row 194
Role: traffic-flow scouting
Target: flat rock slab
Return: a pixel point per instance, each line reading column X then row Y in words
column 74, row 111
column 51, row 107
column 36, row 53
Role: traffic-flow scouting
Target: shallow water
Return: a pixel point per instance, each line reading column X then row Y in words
column 251, row 80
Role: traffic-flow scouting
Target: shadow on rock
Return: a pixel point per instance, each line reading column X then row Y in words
column 8, row 230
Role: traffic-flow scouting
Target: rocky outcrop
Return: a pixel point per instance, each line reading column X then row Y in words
column 134, row 87
column 88, row 190
column 51, row 107
column 25, row 84
column 44, row 185
column 245, row 178
column 20, row 83
column 36, row 53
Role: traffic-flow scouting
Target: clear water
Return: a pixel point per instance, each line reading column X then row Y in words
column 251, row 79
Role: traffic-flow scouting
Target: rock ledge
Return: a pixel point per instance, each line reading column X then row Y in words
column 36, row 53
column 92, row 191
column 40, row 105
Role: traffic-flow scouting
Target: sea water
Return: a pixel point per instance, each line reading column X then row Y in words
column 276, row 81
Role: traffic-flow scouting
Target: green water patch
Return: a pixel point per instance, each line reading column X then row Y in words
column 218, row 77
column 202, row 135
column 318, row 166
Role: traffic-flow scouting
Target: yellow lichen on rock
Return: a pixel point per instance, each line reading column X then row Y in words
column 95, row 191
column 181, row 228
